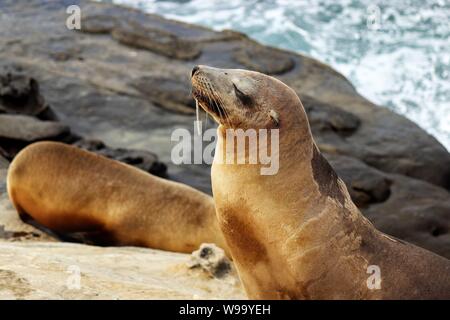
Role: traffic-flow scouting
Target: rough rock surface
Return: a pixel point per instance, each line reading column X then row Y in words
column 3, row 162
column 124, row 79
column 212, row 259
column 26, row 118
column 20, row 93
column 29, row 129
column 49, row 270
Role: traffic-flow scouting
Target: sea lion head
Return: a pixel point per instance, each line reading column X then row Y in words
column 244, row 99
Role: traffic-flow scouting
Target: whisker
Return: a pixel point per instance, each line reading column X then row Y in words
column 206, row 89
column 219, row 108
column 221, row 103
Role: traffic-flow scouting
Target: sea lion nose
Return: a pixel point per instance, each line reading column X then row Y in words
column 196, row 68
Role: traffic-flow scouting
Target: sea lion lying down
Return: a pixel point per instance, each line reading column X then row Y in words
column 67, row 190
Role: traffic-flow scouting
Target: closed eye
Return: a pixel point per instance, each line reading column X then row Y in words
column 245, row 99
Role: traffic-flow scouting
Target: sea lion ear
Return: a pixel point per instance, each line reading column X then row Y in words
column 274, row 116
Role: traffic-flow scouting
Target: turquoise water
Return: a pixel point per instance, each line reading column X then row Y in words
column 396, row 53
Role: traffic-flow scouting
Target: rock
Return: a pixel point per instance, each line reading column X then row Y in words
column 263, row 59
column 52, row 270
column 143, row 160
column 211, row 259
column 3, row 162
column 98, row 24
column 20, row 94
column 4, row 165
column 407, row 208
column 324, row 118
column 171, row 94
column 365, row 184
column 17, row 131
column 133, row 34
column 417, row 212
column 25, row 128
column 156, row 40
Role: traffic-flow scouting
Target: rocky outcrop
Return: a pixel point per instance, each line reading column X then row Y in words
column 99, row 70
column 121, row 84
column 20, row 94
column 26, row 118
column 263, row 59
column 168, row 93
column 16, row 131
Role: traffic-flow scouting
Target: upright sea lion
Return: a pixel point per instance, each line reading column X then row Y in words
column 296, row 234
column 67, row 190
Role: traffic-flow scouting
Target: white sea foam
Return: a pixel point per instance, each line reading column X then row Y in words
column 403, row 65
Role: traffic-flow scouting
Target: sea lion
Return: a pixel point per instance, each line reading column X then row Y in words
column 297, row 234
column 68, row 190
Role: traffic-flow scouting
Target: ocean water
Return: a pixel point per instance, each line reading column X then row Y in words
column 396, row 53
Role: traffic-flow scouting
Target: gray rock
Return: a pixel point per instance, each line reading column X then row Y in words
column 98, row 24
column 4, row 164
column 326, row 120
column 417, row 212
column 365, row 184
column 143, row 160
column 17, row 131
column 20, row 94
column 155, row 40
column 168, row 93
column 29, row 129
column 263, row 59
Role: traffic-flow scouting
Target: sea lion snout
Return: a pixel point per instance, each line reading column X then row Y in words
column 216, row 76
column 233, row 97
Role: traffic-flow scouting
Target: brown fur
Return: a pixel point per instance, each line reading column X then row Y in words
column 241, row 235
column 69, row 190
column 297, row 234
column 325, row 176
